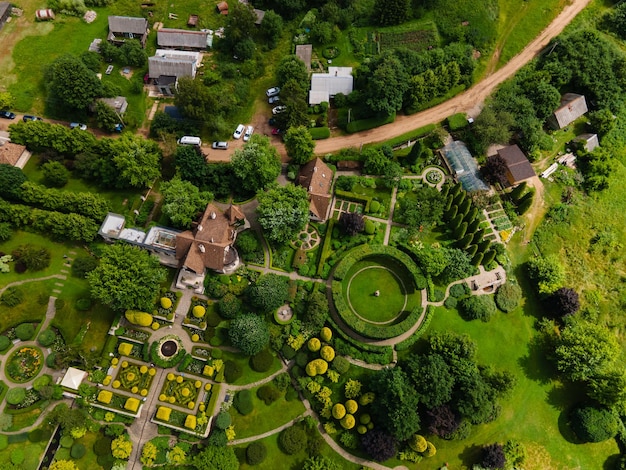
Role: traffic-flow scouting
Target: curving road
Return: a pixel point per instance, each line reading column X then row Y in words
column 468, row 102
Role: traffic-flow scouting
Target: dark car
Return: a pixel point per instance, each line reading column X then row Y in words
column 272, row 121
column 7, row 115
column 28, row 117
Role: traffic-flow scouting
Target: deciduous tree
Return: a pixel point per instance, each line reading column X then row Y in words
column 352, row 222
column 564, row 302
column 299, row 144
column 269, row 292
column 183, row 201
column 249, row 332
column 495, row 170
column 71, row 84
column 137, row 160
column 257, row 164
column 379, row 445
column 283, row 212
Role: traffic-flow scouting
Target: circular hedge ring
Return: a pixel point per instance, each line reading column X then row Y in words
column 331, row 52
column 24, row 364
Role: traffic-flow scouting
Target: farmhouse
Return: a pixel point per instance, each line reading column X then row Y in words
column 5, row 13
column 173, row 63
column 317, row 178
column 209, row 245
column 127, row 27
column 326, row 85
column 518, row 167
column 572, row 107
column 304, row 52
column 182, row 39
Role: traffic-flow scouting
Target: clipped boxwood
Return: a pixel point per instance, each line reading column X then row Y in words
column 25, row 331
column 15, row 395
column 262, row 361
column 256, row 453
column 46, row 338
column 319, row 133
column 508, row 297
column 371, row 123
column 78, row 451
column 5, row 343
column 243, row 402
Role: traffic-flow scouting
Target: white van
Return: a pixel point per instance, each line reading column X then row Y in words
column 189, row 140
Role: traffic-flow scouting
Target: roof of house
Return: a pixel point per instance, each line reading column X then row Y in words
column 4, row 6
column 303, row 52
column 119, row 103
column 222, row 7
column 73, row 378
column 326, row 85
column 174, row 67
column 182, row 38
column 128, row 24
column 516, row 162
column 317, row 178
column 572, row 107
column 208, row 244
column 10, row 153
column 590, row 140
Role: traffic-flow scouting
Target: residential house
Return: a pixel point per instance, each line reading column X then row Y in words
column 572, row 107
column 326, row 85
column 182, row 39
column 587, row 141
column 5, row 13
column 167, row 66
column 317, row 178
column 222, row 8
column 304, row 52
column 122, row 28
column 259, row 15
column 518, row 167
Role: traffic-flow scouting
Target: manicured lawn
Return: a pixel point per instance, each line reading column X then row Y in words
column 249, row 375
column 535, row 407
column 32, row 454
column 32, row 308
column 264, row 418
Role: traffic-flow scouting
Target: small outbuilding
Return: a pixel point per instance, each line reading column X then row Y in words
column 182, row 39
column 122, row 28
column 5, row 13
column 518, row 167
column 587, row 141
column 44, row 14
column 326, row 85
column 222, row 8
column 73, row 378
column 259, row 14
column 572, row 107
column 119, row 103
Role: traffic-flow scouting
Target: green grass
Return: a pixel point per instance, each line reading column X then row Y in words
column 367, row 277
column 33, row 453
column 264, row 418
column 535, row 407
column 249, row 375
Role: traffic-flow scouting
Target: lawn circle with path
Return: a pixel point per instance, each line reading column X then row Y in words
column 307, row 239
column 24, row 364
column 376, row 294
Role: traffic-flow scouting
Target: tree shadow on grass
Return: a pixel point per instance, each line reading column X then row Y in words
column 535, row 364
column 471, row 455
column 565, row 429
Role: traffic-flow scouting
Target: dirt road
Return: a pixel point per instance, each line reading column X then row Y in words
column 469, row 102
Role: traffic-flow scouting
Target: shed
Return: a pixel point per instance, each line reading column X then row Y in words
column 44, row 14
column 119, row 103
column 182, row 39
column 127, row 27
column 304, row 52
column 326, row 85
column 192, row 21
column 572, row 107
column 518, row 167
column 73, row 378
column 222, row 8
column 260, row 14
column 5, row 13
column 588, row 141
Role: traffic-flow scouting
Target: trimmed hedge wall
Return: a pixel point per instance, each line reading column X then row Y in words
column 407, row 343
column 326, row 247
column 319, row 133
column 371, row 123
column 345, row 312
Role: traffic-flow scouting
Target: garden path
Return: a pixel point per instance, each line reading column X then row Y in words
column 25, row 281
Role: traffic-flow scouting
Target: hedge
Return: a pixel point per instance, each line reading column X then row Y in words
column 457, row 121
column 326, row 247
column 371, row 123
column 318, row 133
column 350, row 196
column 348, row 346
column 410, row 341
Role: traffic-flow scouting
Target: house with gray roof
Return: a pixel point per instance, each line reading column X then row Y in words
column 167, row 66
column 5, row 13
column 122, row 28
column 326, row 85
column 182, row 39
column 572, row 107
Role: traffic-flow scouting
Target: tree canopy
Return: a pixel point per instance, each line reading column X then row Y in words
column 283, row 212
column 216, row 458
column 183, row 201
column 299, row 144
column 72, row 83
column 126, row 278
column 257, row 164
column 137, row 160
column 249, row 332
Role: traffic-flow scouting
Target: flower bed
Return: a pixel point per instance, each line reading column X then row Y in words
column 135, row 335
column 24, row 364
column 134, row 378
column 201, row 353
column 121, row 404
column 180, row 391
column 163, row 311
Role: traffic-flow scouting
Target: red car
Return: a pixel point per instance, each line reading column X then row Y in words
column 276, row 131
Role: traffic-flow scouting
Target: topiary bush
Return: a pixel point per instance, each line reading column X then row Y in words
column 232, row 371
column 12, row 297
column 46, row 337
column 5, row 343
column 15, row 395
column 292, row 440
column 24, row 331
column 222, row 420
column 477, row 307
column 593, row 424
column 67, row 441
column 459, row 290
column 256, row 453
column 243, row 402
column 78, row 451
column 262, row 362
column 268, row 394
column 508, row 297
column 83, row 304
column 17, row 456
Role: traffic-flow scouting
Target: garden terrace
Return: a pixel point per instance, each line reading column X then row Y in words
column 118, row 403
column 181, row 391
column 134, row 378
column 390, row 278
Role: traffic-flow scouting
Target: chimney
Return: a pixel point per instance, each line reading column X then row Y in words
column 201, row 248
column 199, row 228
column 213, row 215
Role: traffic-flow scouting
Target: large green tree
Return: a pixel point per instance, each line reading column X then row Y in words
column 391, row 12
column 283, row 212
column 291, row 67
column 11, row 179
column 250, row 333
column 257, row 164
column 216, row 458
column 6, row 100
column 269, row 292
column 126, row 278
column 299, row 144
column 71, row 84
column 137, row 160
column 183, row 201
column 387, row 82
column 272, row 28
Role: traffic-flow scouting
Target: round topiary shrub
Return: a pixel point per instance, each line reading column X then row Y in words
column 222, row 420
column 508, row 297
column 593, row 424
column 370, row 227
column 15, row 395
column 198, row 311
column 477, row 307
column 326, row 334
column 102, row 446
column 166, row 303
column 292, row 440
column 36, row 435
column 268, row 393
column 243, row 402
column 83, row 304
column 213, row 319
column 262, row 362
column 459, row 290
column 78, row 451
column 339, row 411
column 256, row 453
column 5, row 343
column 374, row 207
column 450, row 302
column 232, row 371
column 314, row 344
column 46, row 337
column 51, row 360
column 25, row 331
column 67, row 441
column 17, row 456
column 341, row 364
column 41, row 382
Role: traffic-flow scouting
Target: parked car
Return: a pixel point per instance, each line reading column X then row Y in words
column 272, row 91
column 7, row 115
column 238, row 131
column 276, row 131
column 28, row 117
column 248, row 134
column 279, row 109
column 119, row 127
column 220, row 145
column 273, row 99
column 74, row 125
column 272, row 122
